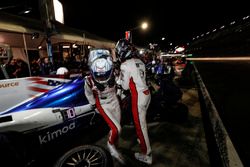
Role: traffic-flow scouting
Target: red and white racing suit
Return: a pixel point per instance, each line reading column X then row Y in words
column 133, row 77
column 107, row 104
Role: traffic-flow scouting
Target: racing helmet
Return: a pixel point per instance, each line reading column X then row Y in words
column 96, row 53
column 62, row 71
column 101, row 69
column 124, row 49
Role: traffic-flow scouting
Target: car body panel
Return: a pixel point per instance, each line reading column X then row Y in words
column 56, row 112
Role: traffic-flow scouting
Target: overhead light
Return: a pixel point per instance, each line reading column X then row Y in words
column 8, row 7
column 58, row 9
column 179, row 49
column 26, row 10
column 144, row 25
column 66, row 46
column 244, row 18
column 40, row 47
column 233, row 22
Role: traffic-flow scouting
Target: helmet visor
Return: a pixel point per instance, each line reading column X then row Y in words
column 102, row 77
column 101, row 69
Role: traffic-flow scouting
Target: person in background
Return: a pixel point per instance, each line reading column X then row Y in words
column 133, row 78
column 3, row 72
column 22, row 69
column 100, row 90
column 35, row 67
column 46, row 66
column 12, row 67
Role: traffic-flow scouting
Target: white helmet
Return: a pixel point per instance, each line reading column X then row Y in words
column 96, row 53
column 101, row 69
column 62, row 71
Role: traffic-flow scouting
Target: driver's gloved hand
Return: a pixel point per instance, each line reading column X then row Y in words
column 93, row 107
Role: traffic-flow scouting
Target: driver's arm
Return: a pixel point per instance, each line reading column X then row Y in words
column 125, row 76
column 89, row 93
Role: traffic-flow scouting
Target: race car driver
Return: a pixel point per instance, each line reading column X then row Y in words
column 133, row 78
column 100, row 91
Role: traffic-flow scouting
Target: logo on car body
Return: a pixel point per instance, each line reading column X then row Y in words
column 52, row 135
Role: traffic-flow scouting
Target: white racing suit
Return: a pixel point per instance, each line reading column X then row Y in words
column 133, row 77
column 107, row 104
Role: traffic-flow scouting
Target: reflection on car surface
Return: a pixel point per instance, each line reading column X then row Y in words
column 47, row 120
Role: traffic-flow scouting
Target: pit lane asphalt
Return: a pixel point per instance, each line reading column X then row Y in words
column 174, row 144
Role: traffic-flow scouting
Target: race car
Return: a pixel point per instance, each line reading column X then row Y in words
column 46, row 123
column 179, row 66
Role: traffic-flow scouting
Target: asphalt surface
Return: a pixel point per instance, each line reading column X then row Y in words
column 174, row 144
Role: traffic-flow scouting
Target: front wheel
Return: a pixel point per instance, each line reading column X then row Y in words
column 85, row 156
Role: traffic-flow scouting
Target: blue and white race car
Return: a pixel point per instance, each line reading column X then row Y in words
column 46, row 123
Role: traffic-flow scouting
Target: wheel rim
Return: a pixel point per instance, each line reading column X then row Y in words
column 84, row 158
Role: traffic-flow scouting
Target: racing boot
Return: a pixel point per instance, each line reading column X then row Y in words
column 144, row 158
column 114, row 153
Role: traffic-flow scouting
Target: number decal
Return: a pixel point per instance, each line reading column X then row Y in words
column 70, row 113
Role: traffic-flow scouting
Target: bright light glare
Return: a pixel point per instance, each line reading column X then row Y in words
column 58, row 8
column 27, row 11
column 180, row 49
column 144, row 25
column 141, row 52
column 162, row 38
column 66, row 46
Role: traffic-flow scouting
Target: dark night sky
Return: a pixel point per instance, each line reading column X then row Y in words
column 177, row 21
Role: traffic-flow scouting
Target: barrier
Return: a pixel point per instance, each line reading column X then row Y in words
column 220, row 147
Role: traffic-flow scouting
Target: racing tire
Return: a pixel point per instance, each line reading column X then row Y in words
column 85, row 156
